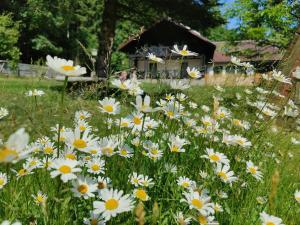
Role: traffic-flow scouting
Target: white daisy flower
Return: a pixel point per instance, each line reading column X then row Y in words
column 40, row 198
column 183, row 52
column 3, row 112
column 143, row 106
column 193, row 73
column 84, row 187
column 253, row 170
column 82, row 115
column 15, row 147
column 113, row 203
column 215, row 157
column 65, row 67
column 3, row 180
column 224, row 173
column 186, row 183
column 141, row 194
column 96, row 166
column 135, row 179
column 180, row 219
column 34, row 93
column 94, row 219
column 179, row 84
column 297, row 195
column 176, row 143
column 125, row 151
column 66, row 168
column 108, row 145
column 205, row 219
column 279, row 76
column 267, row 219
column 110, row 106
column 199, row 202
column 154, row 58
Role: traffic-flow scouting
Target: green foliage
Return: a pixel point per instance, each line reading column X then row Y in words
column 9, row 36
column 268, row 22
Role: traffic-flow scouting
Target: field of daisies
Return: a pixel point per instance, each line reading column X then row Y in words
column 149, row 154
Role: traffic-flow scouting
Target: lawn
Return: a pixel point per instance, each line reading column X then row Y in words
column 271, row 151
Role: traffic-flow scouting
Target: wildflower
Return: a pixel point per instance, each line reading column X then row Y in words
column 205, row 219
column 24, row 171
column 125, row 151
column 84, row 187
column 177, row 143
column 135, row 179
column 172, row 110
column 183, row 52
column 102, row 183
column 140, row 194
column 14, row 149
column 143, row 106
column 217, row 207
column 215, row 157
column 49, row 148
column 269, row 219
column 96, row 166
column 181, row 220
column 80, row 141
column 82, row 115
column 35, row 92
column 297, row 195
column 154, row 58
column 146, row 181
column 224, row 173
column 277, row 75
column 3, row 112
column 296, row 73
column 199, row 202
column 83, row 126
column 236, row 61
column 33, row 163
column 40, row 198
column 186, row 183
column 261, row 200
column 66, row 168
column 3, row 180
column 153, row 151
column 179, row 84
column 193, row 105
column 94, row 219
column 193, row 73
column 110, row 106
column 170, row 168
column 253, row 170
column 108, row 145
column 65, row 67
column 123, row 85
column 7, row 222
column 219, row 88
column 113, row 203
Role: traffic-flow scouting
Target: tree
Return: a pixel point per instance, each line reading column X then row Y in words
column 199, row 14
column 269, row 22
column 9, row 35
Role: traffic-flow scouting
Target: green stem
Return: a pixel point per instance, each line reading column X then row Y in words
column 64, row 89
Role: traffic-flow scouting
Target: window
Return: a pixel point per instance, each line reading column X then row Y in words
column 183, row 68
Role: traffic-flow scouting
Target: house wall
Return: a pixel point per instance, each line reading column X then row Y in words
column 171, row 67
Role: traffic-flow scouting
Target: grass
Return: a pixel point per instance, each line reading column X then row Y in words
column 281, row 173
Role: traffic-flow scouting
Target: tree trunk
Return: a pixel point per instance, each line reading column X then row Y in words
column 106, row 37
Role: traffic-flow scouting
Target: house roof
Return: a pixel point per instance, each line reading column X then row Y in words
column 168, row 32
column 246, row 50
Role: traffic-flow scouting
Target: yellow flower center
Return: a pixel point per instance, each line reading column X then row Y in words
column 252, row 170
column 141, row 194
column 82, row 117
column 169, row 97
column 111, row 204
column 32, row 163
column 123, row 152
column 48, row 150
column 193, row 74
column 214, row 157
column 184, row 52
column 124, row 124
column 174, row 148
column 237, row 122
column 8, row 155
column 1, row 181
column 185, row 184
column 65, row 169
column 83, row 188
column 82, row 128
column 154, row 151
column 79, row 143
column 70, row 156
column 22, row 172
column 270, row 223
column 207, row 123
column 68, row 68
column 297, row 198
column 39, row 199
column 240, row 142
column 223, row 175
column 137, row 120
column 95, row 167
column 197, row 203
column 93, row 151
column 108, row 108
column 170, row 114
column 202, row 219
